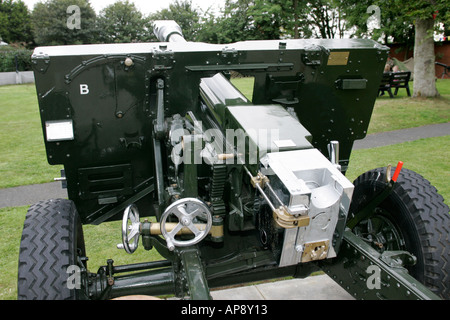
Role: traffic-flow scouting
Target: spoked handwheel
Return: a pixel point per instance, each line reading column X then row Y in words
column 189, row 213
column 131, row 229
column 413, row 218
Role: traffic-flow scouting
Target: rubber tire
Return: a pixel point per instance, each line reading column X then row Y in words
column 52, row 237
column 423, row 219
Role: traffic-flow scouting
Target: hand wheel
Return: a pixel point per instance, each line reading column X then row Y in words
column 130, row 229
column 186, row 210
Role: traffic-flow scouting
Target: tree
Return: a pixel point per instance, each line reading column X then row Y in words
column 406, row 22
column 50, row 23
column 279, row 19
column 251, row 20
column 15, row 25
column 268, row 18
column 181, row 11
column 426, row 13
column 210, row 31
column 235, row 23
column 322, row 19
column 392, row 26
column 121, row 22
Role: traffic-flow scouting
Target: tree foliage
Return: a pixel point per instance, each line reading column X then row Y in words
column 15, row 24
column 397, row 17
column 320, row 19
column 276, row 19
column 121, row 22
column 49, row 21
column 12, row 59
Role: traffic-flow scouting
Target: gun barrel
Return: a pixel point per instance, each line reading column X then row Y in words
column 168, row 31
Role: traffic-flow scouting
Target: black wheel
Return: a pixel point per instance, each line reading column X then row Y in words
column 52, row 241
column 413, row 218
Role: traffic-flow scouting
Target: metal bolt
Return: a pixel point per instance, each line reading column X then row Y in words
column 129, row 62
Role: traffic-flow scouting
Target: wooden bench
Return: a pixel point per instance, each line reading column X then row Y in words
column 401, row 80
column 395, row 80
column 446, row 68
column 385, row 84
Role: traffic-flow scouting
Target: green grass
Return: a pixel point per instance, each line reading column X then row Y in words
column 245, row 85
column 404, row 112
column 100, row 241
column 22, row 157
column 429, row 157
column 11, row 224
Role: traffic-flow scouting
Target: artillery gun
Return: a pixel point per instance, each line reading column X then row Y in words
column 235, row 189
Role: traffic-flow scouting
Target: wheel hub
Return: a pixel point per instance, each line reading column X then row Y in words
column 381, row 232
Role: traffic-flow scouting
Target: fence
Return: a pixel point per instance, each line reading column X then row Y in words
column 16, row 77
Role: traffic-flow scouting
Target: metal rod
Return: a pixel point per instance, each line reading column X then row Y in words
column 261, row 191
column 248, row 172
column 266, row 197
column 141, row 266
column 153, row 283
column 159, row 175
column 274, row 194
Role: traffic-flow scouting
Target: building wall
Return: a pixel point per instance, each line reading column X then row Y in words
column 442, row 50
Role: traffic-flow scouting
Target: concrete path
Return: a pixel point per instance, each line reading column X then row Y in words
column 27, row 195
column 404, row 135
column 320, row 287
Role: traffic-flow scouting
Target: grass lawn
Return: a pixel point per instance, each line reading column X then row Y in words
column 428, row 157
column 403, row 112
column 22, row 157
column 100, row 241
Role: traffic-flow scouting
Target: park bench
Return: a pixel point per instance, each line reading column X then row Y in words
column 446, row 68
column 395, row 80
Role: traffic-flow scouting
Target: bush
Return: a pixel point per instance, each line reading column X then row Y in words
column 8, row 59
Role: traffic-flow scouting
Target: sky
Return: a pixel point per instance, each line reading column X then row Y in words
column 146, row 6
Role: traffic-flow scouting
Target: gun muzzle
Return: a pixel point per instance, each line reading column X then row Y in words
column 168, row 31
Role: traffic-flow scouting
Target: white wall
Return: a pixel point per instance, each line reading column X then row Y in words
column 16, row 77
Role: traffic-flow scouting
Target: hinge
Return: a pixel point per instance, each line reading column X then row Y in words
column 40, row 62
column 162, row 58
column 313, row 55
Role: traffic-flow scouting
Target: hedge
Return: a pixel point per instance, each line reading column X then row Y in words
column 8, row 59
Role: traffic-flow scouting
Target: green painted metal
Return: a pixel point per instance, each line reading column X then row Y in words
column 109, row 114
column 371, row 205
column 367, row 274
column 195, row 274
column 112, row 106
